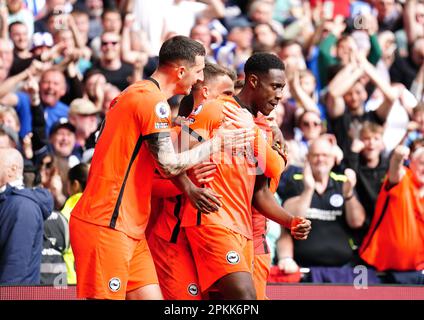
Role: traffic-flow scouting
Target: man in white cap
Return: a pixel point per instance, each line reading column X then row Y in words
column 83, row 114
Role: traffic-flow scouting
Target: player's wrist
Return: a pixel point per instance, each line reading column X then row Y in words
column 285, row 258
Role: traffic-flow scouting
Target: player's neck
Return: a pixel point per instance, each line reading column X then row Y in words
column 246, row 102
column 166, row 86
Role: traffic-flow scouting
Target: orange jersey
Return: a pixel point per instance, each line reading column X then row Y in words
column 395, row 240
column 120, row 179
column 273, row 167
column 234, row 178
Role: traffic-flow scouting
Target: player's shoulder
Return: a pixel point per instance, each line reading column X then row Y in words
column 145, row 91
column 217, row 105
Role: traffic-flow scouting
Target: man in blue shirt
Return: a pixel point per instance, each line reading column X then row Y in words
column 51, row 89
column 22, row 215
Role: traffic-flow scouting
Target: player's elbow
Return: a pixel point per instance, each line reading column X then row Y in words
column 168, row 168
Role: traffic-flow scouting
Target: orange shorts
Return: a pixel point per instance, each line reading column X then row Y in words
column 261, row 268
column 175, row 268
column 218, row 251
column 108, row 263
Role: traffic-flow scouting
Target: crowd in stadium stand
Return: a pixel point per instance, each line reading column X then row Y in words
column 352, row 116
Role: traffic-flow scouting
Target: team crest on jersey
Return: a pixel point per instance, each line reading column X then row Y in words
column 162, row 110
column 336, row 200
column 193, row 289
column 114, row 284
column 197, row 110
column 233, row 257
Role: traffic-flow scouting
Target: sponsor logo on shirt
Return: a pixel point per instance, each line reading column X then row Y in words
column 324, row 215
column 161, row 125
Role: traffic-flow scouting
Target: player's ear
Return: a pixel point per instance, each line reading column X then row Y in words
column 205, row 92
column 181, row 72
column 253, row 81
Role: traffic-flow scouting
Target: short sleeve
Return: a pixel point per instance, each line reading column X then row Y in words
column 153, row 113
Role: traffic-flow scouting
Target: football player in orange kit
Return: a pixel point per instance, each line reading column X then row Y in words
column 221, row 241
column 113, row 260
column 167, row 241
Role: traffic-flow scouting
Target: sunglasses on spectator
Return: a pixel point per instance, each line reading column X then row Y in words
column 310, row 124
column 47, row 165
column 105, row 43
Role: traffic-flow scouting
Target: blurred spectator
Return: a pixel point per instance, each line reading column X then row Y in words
column 51, row 16
column 261, row 11
column 18, row 12
column 63, row 142
column 65, row 154
column 290, row 51
column 404, row 70
column 95, row 10
column 413, row 20
column 111, row 22
column 77, row 180
column 51, row 180
column 6, row 56
column 330, row 202
column 111, row 92
column 22, row 212
column 41, row 43
column 203, row 34
column 65, row 38
column 303, row 89
column 94, row 86
column 346, row 99
column 389, row 15
column 265, row 38
column 308, row 129
column 238, row 48
column 110, row 64
column 367, row 159
column 9, row 122
column 82, row 23
column 416, row 125
column 46, row 95
column 55, row 243
column 395, row 241
column 83, row 115
column 22, row 57
column 8, row 138
column 344, row 47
